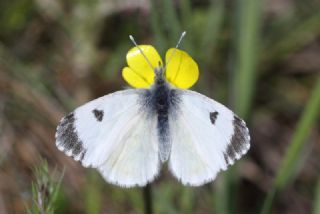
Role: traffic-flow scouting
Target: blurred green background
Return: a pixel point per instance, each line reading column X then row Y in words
column 260, row 58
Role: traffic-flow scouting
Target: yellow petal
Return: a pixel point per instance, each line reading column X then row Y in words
column 182, row 71
column 134, row 79
column 141, row 75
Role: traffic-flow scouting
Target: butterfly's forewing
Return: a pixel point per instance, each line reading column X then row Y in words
column 114, row 134
column 206, row 138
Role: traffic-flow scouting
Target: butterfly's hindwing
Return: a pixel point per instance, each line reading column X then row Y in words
column 206, row 137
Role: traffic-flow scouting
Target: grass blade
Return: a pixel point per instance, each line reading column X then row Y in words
column 290, row 162
column 243, row 75
column 248, row 24
column 93, row 194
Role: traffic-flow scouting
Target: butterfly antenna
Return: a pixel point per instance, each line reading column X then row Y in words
column 134, row 42
column 178, row 43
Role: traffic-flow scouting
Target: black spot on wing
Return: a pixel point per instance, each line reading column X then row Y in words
column 67, row 138
column 98, row 114
column 213, row 117
column 239, row 142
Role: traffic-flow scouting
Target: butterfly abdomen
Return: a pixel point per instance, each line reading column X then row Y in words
column 162, row 101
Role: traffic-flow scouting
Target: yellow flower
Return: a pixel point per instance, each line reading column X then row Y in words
column 181, row 71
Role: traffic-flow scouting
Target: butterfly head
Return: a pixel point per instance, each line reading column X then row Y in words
column 159, row 75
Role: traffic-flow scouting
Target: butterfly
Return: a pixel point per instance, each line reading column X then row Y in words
column 128, row 134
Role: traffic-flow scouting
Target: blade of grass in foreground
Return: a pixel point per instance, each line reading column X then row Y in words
column 248, row 21
column 287, row 169
column 93, row 193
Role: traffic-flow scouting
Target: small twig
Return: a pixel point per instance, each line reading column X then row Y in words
column 147, row 196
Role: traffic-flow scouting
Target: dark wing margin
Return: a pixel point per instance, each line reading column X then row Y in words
column 239, row 143
column 67, row 139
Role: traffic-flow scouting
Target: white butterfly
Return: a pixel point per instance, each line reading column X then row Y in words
column 126, row 135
